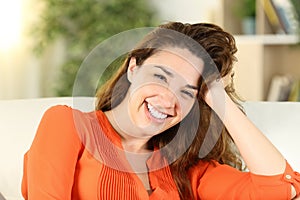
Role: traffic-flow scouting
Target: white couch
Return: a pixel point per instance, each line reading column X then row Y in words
column 19, row 120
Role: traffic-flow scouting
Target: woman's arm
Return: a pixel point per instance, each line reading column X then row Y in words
column 260, row 155
column 49, row 165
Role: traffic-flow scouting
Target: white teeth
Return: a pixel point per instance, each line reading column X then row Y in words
column 155, row 113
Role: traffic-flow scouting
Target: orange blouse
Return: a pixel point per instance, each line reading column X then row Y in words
column 78, row 155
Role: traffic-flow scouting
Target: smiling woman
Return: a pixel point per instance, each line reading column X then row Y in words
column 159, row 96
column 165, row 127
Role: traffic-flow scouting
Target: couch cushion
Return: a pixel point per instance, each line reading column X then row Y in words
column 18, row 123
column 280, row 122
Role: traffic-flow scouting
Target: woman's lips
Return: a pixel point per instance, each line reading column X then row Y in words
column 153, row 114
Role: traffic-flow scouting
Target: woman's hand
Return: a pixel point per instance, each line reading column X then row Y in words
column 216, row 91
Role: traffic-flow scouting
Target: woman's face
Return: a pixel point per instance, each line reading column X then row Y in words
column 163, row 89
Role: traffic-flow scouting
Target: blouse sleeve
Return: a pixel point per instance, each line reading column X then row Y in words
column 49, row 165
column 225, row 182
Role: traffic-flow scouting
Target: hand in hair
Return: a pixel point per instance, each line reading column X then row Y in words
column 216, row 90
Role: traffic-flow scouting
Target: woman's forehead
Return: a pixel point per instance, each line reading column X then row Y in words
column 176, row 66
column 184, row 56
column 177, row 59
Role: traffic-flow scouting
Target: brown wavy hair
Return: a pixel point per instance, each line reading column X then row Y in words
column 217, row 52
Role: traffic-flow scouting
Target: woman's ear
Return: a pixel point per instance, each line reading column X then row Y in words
column 131, row 68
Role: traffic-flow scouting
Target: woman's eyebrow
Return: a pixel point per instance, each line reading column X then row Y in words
column 192, row 87
column 172, row 75
column 165, row 70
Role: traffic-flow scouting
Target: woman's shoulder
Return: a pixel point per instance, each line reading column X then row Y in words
column 204, row 166
column 56, row 129
column 197, row 171
column 204, row 169
column 56, row 114
column 64, row 113
column 59, row 110
column 65, row 118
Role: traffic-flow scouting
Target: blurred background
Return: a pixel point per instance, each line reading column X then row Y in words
column 43, row 42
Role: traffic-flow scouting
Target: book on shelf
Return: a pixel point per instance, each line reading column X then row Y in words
column 280, row 88
column 272, row 16
column 295, row 91
column 286, row 15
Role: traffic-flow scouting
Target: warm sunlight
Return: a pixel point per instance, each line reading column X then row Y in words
column 10, row 23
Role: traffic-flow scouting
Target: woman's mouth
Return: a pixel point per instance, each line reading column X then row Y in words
column 155, row 113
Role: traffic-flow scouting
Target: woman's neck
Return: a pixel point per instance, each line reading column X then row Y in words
column 129, row 142
column 135, row 150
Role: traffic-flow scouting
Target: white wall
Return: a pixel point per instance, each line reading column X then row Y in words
column 23, row 74
column 19, row 74
column 190, row 11
column 19, row 69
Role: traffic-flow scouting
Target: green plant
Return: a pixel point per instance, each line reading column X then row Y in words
column 245, row 8
column 83, row 24
column 296, row 4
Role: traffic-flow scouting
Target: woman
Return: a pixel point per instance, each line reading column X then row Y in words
column 164, row 128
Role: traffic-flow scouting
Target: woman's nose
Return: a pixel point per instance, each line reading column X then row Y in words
column 168, row 100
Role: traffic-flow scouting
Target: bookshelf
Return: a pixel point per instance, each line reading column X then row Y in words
column 260, row 56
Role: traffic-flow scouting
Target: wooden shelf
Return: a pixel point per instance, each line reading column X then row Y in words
column 269, row 39
column 260, row 56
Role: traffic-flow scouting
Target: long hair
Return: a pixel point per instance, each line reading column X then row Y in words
column 218, row 48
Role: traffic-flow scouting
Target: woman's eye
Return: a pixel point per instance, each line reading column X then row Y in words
column 161, row 77
column 187, row 93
